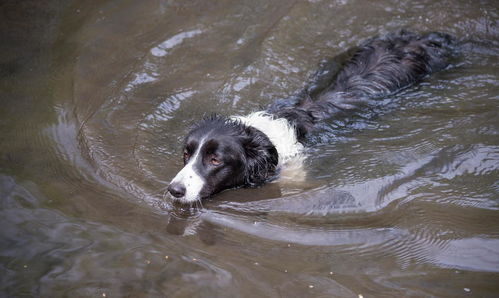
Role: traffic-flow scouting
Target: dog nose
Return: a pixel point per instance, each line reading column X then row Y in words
column 177, row 190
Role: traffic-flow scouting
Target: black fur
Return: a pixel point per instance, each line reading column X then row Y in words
column 378, row 67
column 261, row 157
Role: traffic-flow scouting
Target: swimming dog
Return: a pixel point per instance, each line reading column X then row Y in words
column 228, row 152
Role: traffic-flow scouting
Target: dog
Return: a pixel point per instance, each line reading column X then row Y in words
column 240, row 151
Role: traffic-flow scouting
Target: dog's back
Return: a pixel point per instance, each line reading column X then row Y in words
column 382, row 66
column 379, row 67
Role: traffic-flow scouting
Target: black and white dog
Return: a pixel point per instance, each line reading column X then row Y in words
column 228, row 152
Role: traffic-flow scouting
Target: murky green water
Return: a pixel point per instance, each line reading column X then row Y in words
column 96, row 97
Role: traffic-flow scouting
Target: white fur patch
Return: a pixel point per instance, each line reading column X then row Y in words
column 279, row 131
column 191, row 180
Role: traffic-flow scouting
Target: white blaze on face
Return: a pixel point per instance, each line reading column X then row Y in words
column 191, row 180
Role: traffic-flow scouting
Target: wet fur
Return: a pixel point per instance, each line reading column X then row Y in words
column 378, row 67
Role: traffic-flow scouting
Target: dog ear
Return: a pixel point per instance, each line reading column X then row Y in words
column 261, row 158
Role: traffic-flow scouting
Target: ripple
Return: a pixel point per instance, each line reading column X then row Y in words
column 162, row 49
column 475, row 253
column 303, row 236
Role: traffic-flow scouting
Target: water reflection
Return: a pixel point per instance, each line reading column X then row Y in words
column 162, row 49
column 97, row 97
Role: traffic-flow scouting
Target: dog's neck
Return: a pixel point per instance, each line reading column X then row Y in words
column 279, row 131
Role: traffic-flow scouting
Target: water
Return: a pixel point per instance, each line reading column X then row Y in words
column 97, row 96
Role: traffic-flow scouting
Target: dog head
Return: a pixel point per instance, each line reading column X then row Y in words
column 222, row 153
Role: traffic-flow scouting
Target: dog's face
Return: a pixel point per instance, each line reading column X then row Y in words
column 221, row 154
column 212, row 163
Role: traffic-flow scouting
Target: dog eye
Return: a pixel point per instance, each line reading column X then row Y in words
column 215, row 161
column 186, row 155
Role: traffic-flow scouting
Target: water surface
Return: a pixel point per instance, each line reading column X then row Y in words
column 96, row 97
